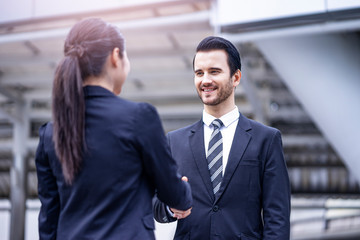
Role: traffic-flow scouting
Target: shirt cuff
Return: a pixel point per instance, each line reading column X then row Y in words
column 169, row 211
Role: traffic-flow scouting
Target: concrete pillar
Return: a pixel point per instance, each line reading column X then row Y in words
column 323, row 72
column 18, row 172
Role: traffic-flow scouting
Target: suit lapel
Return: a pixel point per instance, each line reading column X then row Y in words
column 238, row 147
column 197, row 146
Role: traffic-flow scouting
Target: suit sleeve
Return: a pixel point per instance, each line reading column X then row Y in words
column 47, row 191
column 276, row 193
column 158, row 163
column 160, row 210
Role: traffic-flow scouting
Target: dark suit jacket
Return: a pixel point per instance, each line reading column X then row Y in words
column 255, row 183
column 127, row 158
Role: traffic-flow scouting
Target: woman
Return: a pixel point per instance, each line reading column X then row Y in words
column 101, row 159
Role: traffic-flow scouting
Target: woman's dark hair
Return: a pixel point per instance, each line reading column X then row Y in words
column 86, row 49
column 218, row 43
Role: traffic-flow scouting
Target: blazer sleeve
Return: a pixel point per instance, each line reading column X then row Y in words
column 276, row 192
column 47, row 191
column 158, row 163
column 161, row 213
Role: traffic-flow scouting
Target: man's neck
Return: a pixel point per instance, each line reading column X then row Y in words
column 218, row 110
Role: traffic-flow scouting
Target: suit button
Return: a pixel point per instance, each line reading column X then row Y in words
column 215, row 208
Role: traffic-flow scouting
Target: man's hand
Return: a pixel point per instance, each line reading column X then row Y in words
column 179, row 214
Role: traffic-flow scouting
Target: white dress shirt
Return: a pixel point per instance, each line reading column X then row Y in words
column 230, row 121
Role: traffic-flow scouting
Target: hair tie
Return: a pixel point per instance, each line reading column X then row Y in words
column 75, row 50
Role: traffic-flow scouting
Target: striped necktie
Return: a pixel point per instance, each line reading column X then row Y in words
column 214, row 155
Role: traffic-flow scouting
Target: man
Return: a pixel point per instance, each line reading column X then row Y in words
column 235, row 166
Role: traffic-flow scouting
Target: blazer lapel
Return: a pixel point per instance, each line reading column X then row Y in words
column 197, row 146
column 238, row 147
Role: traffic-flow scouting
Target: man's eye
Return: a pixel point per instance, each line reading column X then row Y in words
column 198, row 74
column 215, row 72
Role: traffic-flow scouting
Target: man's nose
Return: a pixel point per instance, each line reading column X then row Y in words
column 207, row 78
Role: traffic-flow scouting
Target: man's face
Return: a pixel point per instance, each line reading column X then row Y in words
column 212, row 77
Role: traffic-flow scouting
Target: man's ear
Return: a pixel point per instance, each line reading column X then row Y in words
column 236, row 78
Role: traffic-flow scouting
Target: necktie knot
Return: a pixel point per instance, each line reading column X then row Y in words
column 217, row 123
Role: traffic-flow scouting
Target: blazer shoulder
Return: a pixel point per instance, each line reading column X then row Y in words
column 120, row 110
column 45, row 130
column 46, row 143
column 121, row 102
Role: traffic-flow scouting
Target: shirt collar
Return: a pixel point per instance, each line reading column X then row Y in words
column 227, row 119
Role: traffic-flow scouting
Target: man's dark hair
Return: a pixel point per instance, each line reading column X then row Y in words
column 218, row 43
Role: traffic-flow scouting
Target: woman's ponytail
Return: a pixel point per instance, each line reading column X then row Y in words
column 69, row 116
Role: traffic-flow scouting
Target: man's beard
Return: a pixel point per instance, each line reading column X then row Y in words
column 221, row 96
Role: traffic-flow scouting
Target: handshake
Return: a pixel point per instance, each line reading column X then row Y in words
column 179, row 214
